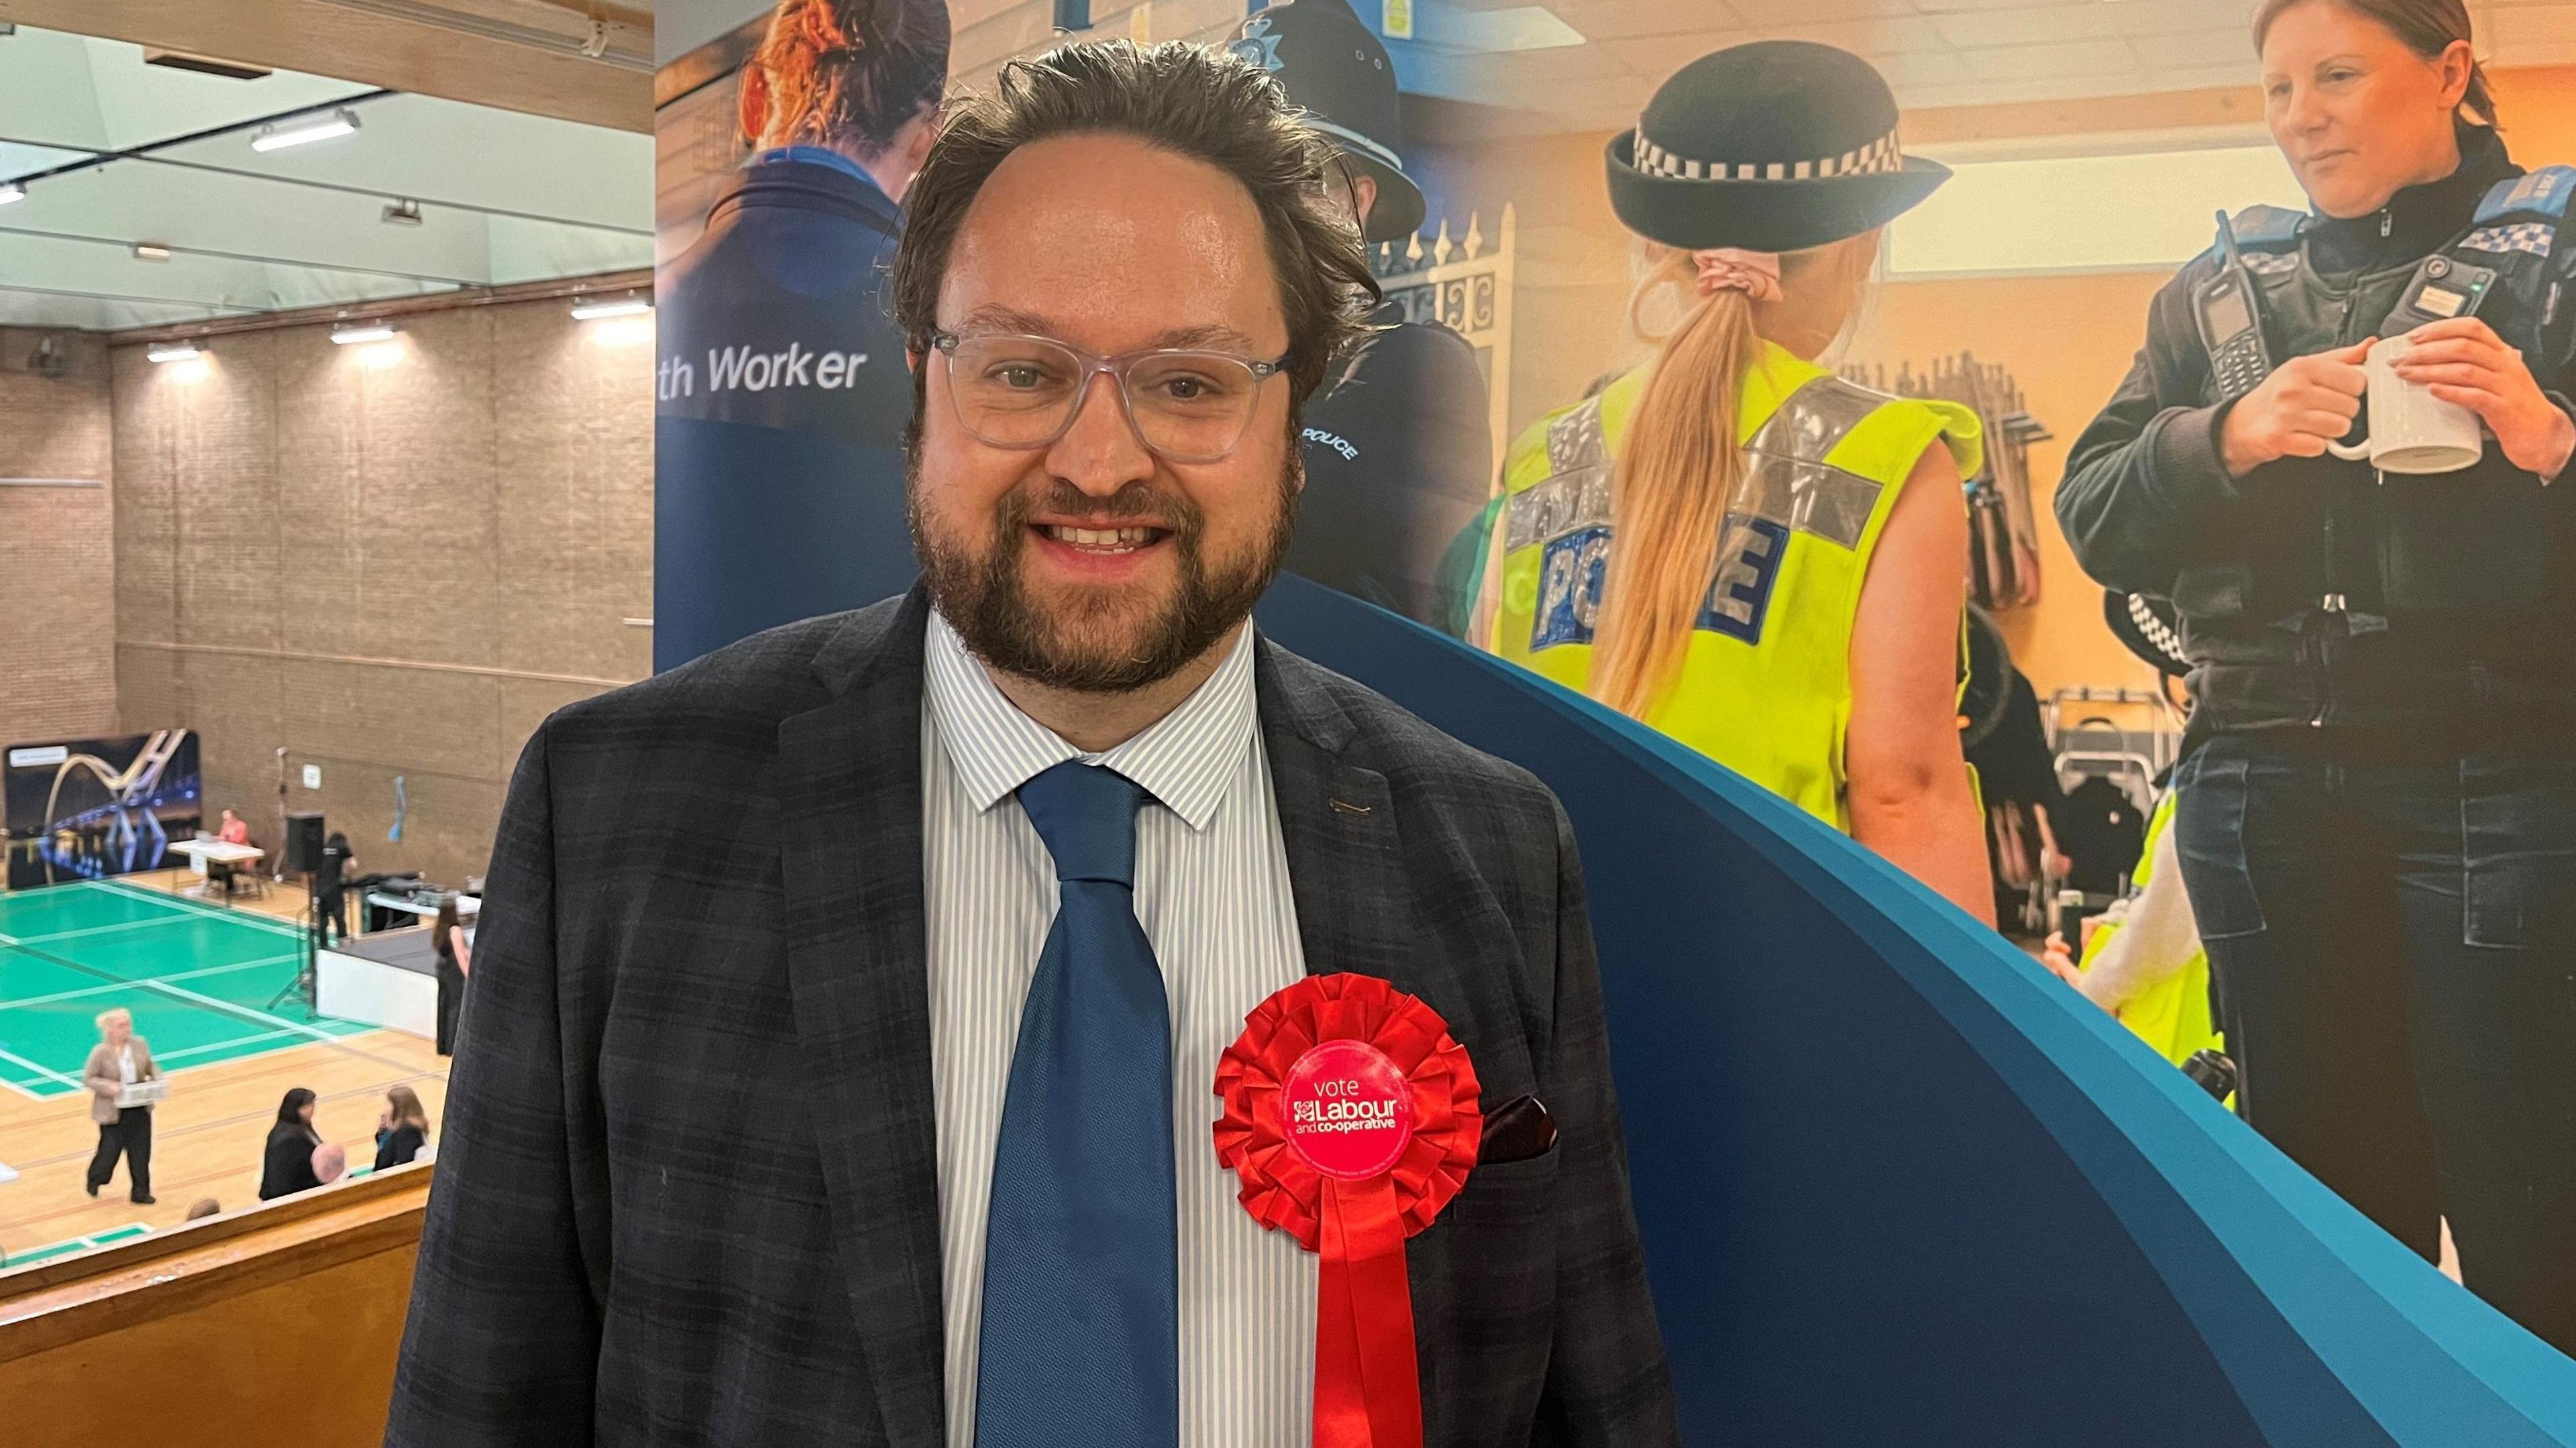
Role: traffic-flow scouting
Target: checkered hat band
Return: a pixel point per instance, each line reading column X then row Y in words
column 1881, row 155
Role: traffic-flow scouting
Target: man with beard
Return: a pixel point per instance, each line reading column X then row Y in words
column 880, row 1110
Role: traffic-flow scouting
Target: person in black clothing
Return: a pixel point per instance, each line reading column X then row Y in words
column 451, row 974
column 330, row 887
column 2377, row 821
column 1397, row 443
column 403, row 1130
column 287, row 1167
column 2004, row 740
column 781, row 390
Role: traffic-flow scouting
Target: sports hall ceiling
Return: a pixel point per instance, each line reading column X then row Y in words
column 94, row 135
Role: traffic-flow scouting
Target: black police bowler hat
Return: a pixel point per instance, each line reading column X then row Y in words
column 1778, row 145
column 1336, row 70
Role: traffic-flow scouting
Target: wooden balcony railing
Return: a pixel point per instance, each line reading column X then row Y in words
column 275, row 1326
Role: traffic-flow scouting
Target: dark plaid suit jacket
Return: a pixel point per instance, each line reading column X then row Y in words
column 686, row 1192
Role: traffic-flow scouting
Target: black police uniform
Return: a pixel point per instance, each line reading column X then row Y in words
column 1399, row 460
column 1398, row 448
column 781, row 399
column 2377, row 819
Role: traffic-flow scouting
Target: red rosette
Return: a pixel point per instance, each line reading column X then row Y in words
column 1351, row 1118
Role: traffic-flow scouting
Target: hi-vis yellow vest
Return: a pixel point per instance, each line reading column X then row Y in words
column 2173, row 1014
column 1765, row 688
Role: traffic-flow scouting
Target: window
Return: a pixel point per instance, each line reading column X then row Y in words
column 2142, row 211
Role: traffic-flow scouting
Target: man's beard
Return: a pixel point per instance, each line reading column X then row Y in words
column 988, row 603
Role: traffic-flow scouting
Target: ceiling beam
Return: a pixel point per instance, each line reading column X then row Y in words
column 320, row 38
column 378, row 193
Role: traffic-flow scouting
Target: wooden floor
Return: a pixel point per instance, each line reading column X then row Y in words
column 207, row 1137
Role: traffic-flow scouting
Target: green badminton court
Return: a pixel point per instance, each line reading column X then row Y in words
column 197, row 978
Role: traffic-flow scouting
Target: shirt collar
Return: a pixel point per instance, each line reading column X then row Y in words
column 1183, row 759
column 817, row 156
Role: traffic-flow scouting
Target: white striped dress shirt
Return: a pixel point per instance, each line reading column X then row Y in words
column 1212, row 893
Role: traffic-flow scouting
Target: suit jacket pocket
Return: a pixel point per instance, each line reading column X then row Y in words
column 1508, row 1193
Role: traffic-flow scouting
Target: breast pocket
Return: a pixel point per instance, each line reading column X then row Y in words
column 1506, row 1195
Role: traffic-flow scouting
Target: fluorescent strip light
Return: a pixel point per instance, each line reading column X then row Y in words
column 363, row 332
column 341, row 122
column 619, row 307
column 11, row 191
column 151, row 251
column 174, row 352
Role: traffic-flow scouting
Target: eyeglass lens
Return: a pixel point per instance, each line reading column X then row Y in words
column 1022, row 392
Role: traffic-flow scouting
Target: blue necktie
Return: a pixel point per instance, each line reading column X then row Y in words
column 1080, row 1342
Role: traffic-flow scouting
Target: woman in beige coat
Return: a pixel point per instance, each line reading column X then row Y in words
column 120, row 1059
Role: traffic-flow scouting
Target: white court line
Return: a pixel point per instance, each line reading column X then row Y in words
column 187, row 906
column 41, row 1070
column 175, row 917
column 224, row 1045
column 65, row 995
column 261, row 1016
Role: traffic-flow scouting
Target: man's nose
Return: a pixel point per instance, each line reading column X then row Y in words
column 1100, row 453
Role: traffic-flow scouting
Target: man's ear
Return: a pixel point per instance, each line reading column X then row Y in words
column 912, row 359
column 752, row 110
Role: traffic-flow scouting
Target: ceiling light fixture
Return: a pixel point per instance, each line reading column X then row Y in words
column 11, row 191
column 174, row 352
column 592, row 311
column 403, row 213
column 349, row 332
column 151, row 251
column 274, row 137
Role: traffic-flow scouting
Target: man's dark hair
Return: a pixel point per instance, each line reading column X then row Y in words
column 851, row 74
column 1188, row 100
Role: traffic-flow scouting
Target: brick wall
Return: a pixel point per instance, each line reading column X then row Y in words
column 57, row 567
column 387, row 560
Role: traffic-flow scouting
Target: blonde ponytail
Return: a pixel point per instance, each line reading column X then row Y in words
column 1679, row 464
column 1675, row 473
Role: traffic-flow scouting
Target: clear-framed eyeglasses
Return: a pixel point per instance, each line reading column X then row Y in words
column 1014, row 391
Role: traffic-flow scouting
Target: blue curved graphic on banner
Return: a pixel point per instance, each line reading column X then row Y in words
column 1897, row 1185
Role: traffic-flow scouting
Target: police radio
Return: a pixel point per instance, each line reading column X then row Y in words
column 2440, row 290
column 2231, row 321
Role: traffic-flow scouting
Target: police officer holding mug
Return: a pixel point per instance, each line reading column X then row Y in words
column 2378, row 811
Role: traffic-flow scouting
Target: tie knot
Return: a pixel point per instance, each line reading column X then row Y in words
column 1087, row 815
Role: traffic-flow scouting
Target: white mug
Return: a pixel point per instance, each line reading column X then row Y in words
column 2411, row 430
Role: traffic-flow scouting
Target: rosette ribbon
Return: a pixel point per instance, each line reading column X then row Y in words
column 1351, row 1119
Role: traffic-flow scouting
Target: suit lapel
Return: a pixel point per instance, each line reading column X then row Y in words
column 1337, row 820
column 849, row 797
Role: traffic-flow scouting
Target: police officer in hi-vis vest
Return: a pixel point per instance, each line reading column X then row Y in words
column 2378, row 821
column 1731, row 543
column 780, row 390
column 1398, row 444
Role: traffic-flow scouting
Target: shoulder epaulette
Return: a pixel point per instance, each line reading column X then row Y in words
column 2542, row 195
column 2267, row 228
